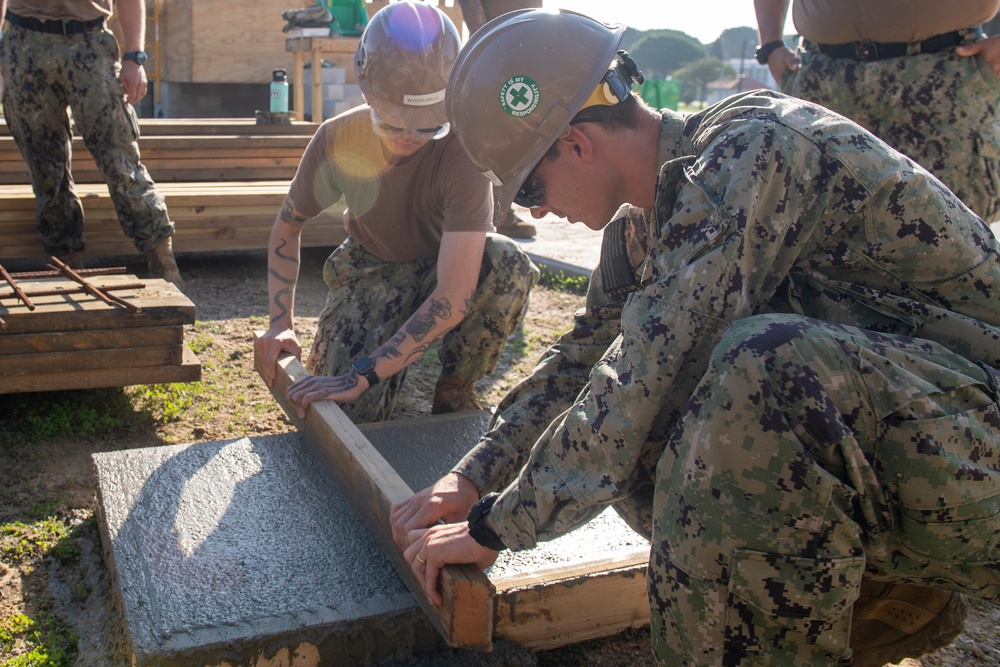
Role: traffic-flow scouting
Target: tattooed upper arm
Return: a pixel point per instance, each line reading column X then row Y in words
column 290, row 216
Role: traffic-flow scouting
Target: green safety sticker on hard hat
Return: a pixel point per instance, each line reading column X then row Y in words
column 519, row 96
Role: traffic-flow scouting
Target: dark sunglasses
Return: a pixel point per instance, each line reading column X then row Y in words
column 531, row 193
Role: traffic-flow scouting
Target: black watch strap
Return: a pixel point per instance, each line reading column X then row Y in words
column 365, row 367
column 135, row 56
column 764, row 51
column 478, row 530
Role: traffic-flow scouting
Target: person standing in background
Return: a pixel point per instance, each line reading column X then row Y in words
column 919, row 74
column 58, row 57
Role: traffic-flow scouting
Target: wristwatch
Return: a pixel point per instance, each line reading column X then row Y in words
column 138, row 57
column 366, row 368
column 478, row 530
column 765, row 50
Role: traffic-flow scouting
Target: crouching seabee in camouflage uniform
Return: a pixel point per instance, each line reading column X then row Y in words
column 418, row 264
column 804, row 393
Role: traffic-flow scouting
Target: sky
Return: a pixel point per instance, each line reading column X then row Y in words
column 702, row 19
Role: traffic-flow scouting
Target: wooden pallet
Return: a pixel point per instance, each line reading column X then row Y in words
column 76, row 341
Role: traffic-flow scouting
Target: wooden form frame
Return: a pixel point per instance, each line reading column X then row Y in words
column 465, row 618
column 541, row 609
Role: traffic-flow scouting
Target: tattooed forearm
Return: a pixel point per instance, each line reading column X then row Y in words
column 290, row 216
column 280, row 255
column 421, row 324
column 417, row 352
column 280, row 299
column 280, row 278
column 390, row 350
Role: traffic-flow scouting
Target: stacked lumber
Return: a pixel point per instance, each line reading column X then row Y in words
column 207, row 217
column 218, row 157
column 71, row 339
column 224, row 182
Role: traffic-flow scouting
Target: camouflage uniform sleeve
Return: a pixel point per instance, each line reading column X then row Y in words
column 726, row 241
column 556, row 381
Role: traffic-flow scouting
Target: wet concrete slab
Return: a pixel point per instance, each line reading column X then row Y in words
column 244, row 552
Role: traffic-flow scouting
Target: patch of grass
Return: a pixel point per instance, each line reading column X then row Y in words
column 42, row 641
column 61, row 415
column 166, row 402
column 23, row 541
column 558, row 280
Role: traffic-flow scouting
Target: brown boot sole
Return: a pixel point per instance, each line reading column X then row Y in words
column 948, row 625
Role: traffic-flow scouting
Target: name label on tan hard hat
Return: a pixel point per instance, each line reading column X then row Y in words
column 424, row 100
column 519, row 96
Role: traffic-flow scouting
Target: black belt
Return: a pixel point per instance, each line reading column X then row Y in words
column 65, row 28
column 868, row 51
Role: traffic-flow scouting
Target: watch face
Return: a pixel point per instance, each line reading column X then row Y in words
column 136, row 56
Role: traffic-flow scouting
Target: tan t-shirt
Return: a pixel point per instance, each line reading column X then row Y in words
column 398, row 210
column 60, row 10
column 841, row 21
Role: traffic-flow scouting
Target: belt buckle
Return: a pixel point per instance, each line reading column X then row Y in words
column 866, row 51
column 66, row 31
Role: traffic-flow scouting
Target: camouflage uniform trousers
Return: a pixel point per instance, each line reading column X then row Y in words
column 45, row 74
column 371, row 299
column 810, row 455
column 941, row 110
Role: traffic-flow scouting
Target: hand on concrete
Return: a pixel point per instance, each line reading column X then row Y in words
column 133, row 79
column 988, row 49
column 781, row 60
column 271, row 345
column 449, row 499
column 343, row 389
column 445, row 544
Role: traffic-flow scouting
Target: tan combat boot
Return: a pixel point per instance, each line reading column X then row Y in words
column 454, row 395
column 893, row 621
column 516, row 228
column 162, row 263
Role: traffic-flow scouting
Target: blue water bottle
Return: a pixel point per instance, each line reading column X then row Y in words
column 279, row 91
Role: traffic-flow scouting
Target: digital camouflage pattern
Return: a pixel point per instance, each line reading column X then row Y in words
column 44, row 74
column 370, row 299
column 940, row 109
column 537, row 400
column 805, row 384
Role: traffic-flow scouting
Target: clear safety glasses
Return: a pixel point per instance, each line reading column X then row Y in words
column 383, row 129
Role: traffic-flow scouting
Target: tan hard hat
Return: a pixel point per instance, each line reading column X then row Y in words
column 517, row 85
column 403, row 61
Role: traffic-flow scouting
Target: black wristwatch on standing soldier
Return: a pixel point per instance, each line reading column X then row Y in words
column 764, row 51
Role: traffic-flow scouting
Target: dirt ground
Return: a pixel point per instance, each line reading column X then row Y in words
column 55, row 475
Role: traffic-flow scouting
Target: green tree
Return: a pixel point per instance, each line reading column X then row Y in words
column 734, row 43
column 660, row 52
column 696, row 76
